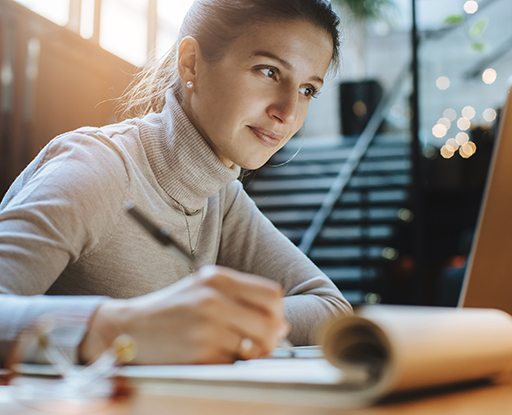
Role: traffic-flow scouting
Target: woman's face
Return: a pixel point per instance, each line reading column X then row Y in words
column 251, row 102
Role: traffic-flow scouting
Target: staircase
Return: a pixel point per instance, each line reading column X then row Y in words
column 363, row 237
column 347, row 203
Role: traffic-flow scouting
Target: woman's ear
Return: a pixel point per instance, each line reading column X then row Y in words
column 188, row 57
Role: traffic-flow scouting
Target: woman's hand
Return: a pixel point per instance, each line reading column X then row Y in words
column 202, row 319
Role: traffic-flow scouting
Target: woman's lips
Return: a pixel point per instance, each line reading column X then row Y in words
column 267, row 137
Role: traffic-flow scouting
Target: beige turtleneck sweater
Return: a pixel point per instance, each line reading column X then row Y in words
column 64, row 230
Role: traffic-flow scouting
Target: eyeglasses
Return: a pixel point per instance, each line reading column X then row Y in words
column 60, row 386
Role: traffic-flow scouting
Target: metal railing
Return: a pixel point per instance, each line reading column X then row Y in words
column 363, row 143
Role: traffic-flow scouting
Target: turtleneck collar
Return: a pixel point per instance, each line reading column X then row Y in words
column 183, row 163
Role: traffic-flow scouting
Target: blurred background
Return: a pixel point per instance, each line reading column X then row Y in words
column 385, row 191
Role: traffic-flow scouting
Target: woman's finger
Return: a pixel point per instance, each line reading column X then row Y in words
column 258, row 292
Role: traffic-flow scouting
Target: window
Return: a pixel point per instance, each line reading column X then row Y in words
column 123, row 26
column 54, row 10
column 124, row 29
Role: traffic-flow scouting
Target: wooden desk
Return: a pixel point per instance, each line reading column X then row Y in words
column 487, row 399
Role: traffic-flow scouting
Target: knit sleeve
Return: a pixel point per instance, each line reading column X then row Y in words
column 250, row 243
column 18, row 312
column 60, row 208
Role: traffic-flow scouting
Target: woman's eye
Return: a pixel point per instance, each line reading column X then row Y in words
column 309, row 92
column 269, row 72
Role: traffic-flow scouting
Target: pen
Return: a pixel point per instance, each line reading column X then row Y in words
column 162, row 236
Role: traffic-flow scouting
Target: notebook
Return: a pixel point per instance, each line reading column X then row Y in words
column 488, row 279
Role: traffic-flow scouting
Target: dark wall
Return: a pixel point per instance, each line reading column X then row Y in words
column 52, row 81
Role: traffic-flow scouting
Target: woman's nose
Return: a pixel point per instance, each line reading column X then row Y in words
column 284, row 106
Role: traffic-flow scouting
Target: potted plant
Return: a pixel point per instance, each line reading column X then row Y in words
column 359, row 98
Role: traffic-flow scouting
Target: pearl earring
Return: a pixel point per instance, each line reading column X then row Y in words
column 190, row 85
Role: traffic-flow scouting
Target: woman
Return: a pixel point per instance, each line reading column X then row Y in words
column 233, row 91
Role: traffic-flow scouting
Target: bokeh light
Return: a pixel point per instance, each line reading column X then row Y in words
column 462, row 138
column 489, row 76
column 463, row 124
column 489, row 115
column 445, row 121
column 451, row 144
column 467, row 150
column 439, row 130
column 471, row 7
column 443, row 83
column 450, row 114
column 468, row 112
column 446, row 152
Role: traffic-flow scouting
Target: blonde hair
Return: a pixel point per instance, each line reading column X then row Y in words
column 146, row 92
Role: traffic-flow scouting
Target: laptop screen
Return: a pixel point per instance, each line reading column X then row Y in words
column 488, row 278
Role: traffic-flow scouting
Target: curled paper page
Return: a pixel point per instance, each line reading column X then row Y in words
column 397, row 348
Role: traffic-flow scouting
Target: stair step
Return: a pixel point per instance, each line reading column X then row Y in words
column 282, row 201
column 325, row 183
column 318, row 169
column 359, row 181
column 293, row 234
column 323, row 142
column 316, row 198
column 354, row 296
column 353, row 233
column 345, row 252
column 344, row 215
column 372, row 214
column 339, row 154
column 282, row 217
column 349, row 274
column 322, row 169
column 384, row 166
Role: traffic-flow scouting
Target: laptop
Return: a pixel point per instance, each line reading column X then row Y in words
column 488, row 279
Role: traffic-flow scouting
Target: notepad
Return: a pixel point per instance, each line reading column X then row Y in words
column 383, row 350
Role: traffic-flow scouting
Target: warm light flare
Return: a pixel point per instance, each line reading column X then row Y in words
column 467, row 150
column 446, row 152
column 452, row 145
column 439, row 130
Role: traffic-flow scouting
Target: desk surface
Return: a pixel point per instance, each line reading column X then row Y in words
column 483, row 399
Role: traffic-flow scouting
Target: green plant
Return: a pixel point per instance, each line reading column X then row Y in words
column 367, row 10
column 475, row 32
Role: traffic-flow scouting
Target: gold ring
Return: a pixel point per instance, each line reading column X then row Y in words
column 245, row 348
